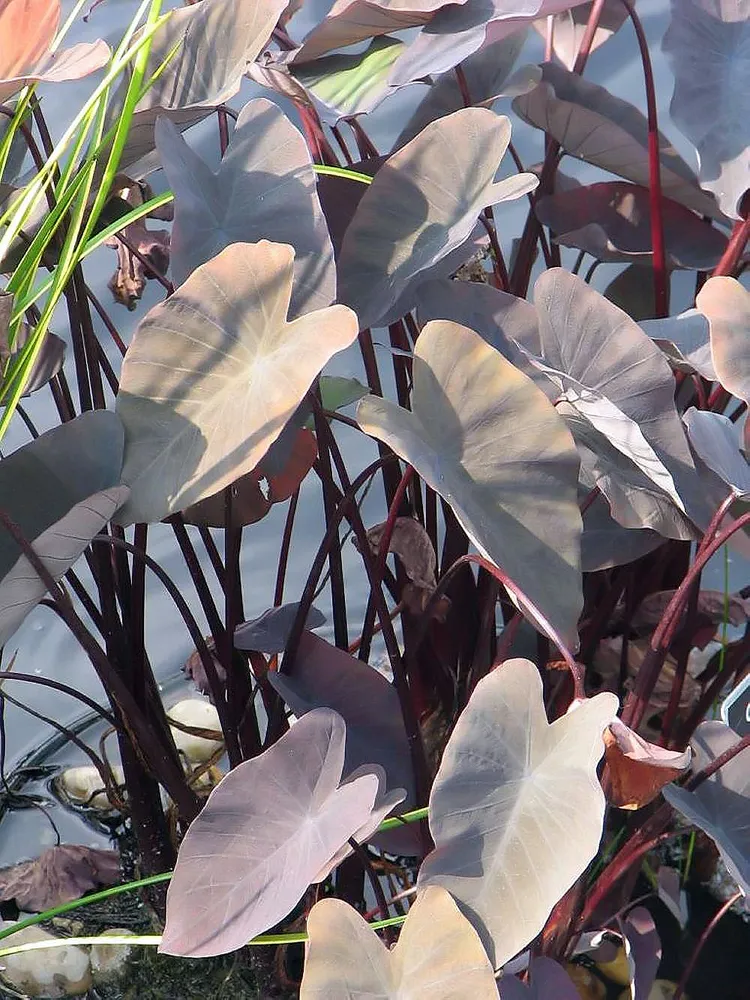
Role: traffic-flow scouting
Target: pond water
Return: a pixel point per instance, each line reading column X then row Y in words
column 44, row 647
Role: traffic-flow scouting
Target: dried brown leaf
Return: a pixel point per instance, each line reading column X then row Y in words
column 637, row 769
column 59, row 875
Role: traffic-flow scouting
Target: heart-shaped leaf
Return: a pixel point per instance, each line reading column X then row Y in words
column 214, row 373
column 490, row 443
column 264, row 189
column 726, row 305
column 438, row 955
column 323, row 676
column 720, row 806
column 516, row 810
column 201, row 53
column 27, row 30
column 422, row 204
column 268, row 829
column 592, row 125
column 612, row 222
column 708, row 45
column 21, row 589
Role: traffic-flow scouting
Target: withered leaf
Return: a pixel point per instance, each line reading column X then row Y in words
column 411, row 543
column 59, row 875
column 637, row 769
column 713, row 605
column 131, row 274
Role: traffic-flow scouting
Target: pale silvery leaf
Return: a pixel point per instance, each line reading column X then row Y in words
column 717, row 441
column 516, row 810
column 726, row 305
column 720, row 806
column 708, row 45
column 270, row 827
column 547, row 981
column 58, row 548
column 422, row 204
column 438, row 955
column 491, row 444
column 569, row 27
column 214, row 373
column 264, row 189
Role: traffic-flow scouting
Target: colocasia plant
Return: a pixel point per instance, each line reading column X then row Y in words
column 556, row 465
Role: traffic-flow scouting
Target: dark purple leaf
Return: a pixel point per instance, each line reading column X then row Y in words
column 325, row 676
column 612, row 222
column 269, row 632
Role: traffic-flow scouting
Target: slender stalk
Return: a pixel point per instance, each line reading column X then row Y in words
column 702, row 940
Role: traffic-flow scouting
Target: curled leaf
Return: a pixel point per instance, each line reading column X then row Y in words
column 638, row 770
column 264, row 188
column 411, row 543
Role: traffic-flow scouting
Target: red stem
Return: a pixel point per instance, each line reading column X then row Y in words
column 661, row 286
column 735, row 248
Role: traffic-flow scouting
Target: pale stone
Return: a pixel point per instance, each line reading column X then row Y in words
column 79, row 784
column 50, row 972
column 108, row 960
column 200, row 714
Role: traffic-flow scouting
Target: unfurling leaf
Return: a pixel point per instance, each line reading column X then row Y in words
column 272, row 826
column 720, row 806
column 512, row 835
column 213, row 375
column 59, row 875
column 490, row 443
column 638, row 770
column 438, row 955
